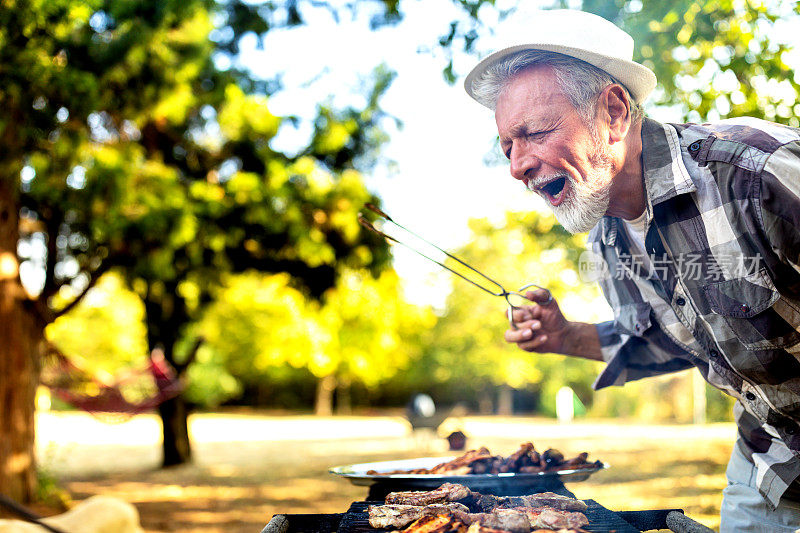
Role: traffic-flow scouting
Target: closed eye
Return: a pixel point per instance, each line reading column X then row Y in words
column 537, row 134
column 533, row 136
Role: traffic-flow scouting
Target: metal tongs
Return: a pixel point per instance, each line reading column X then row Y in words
column 482, row 281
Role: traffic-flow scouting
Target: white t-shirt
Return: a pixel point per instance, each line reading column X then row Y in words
column 637, row 229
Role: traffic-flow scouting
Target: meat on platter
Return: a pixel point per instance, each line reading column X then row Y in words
column 455, row 508
column 481, row 461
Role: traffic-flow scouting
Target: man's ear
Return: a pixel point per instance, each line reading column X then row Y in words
column 615, row 112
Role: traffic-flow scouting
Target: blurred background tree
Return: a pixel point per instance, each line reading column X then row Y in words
column 261, row 332
column 713, row 59
column 126, row 148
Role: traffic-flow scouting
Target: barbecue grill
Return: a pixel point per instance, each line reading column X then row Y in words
column 601, row 519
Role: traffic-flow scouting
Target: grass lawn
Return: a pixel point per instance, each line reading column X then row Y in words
column 249, row 467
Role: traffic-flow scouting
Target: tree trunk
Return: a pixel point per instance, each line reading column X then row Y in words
column 505, row 401
column 344, row 402
column 174, row 419
column 485, row 403
column 323, row 406
column 165, row 314
column 21, row 332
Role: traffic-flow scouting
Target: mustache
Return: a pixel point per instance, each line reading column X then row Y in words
column 533, row 185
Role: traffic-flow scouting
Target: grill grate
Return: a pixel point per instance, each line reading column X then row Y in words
column 601, row 520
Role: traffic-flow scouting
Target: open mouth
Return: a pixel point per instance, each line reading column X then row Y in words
column 555, row 190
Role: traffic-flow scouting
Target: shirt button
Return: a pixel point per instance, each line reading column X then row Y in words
column 694, row 147
column 713, row 353
column 750, row 396
column 680, row 301
column 745, row 308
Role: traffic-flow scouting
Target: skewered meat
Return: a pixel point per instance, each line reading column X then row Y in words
column 397, row 516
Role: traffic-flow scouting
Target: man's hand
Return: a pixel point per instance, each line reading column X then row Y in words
column 543, row 328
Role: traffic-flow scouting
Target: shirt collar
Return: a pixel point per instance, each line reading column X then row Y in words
column 665, row 174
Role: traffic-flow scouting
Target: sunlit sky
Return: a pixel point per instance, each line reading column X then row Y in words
column 440, row 178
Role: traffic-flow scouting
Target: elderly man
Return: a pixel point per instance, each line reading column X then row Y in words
column 695, row 228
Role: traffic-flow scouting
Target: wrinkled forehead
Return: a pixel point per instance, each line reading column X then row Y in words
column 531, row 96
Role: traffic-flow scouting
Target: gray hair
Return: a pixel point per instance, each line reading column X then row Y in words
column 580, row 81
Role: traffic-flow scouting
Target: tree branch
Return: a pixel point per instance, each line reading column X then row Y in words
column 98, row 272
column 190, row 357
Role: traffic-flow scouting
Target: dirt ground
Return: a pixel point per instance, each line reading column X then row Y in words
column 248, row 467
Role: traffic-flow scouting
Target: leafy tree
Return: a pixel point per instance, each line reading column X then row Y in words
column 361, row 331
column 370, row 334
column 106, row 331
column 716, row 58
column 125, row 147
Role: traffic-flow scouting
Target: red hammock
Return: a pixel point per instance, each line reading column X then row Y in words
column 128, row 394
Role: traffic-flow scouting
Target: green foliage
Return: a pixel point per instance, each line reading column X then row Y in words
column 138, row 154
column 50, row 492
column 371, row 332
column 717, row 58
column 105, row 331
column 260, row 327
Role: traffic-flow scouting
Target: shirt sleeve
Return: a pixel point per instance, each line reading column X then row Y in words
column 780, row 203
column 630, row 354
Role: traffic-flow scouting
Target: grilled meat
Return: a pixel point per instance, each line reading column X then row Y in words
column 481, row 461
column 545, row 499
column 397, row 516
column 511, row 520
column 485, row 502
column 515, row 514
column 579, row 530
column 477, row 502
column 463, row 464
column 438, row 523
column 523, row 519
column 447, row 492
column 477, row 528
column 546, row 517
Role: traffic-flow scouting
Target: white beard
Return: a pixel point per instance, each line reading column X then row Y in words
column 587, row 201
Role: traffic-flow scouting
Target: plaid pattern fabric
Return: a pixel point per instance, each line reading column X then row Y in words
column 720, row 286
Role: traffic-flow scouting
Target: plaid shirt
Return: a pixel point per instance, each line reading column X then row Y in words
column 718, row 286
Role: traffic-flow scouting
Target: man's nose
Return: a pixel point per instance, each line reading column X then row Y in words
column 523, row 162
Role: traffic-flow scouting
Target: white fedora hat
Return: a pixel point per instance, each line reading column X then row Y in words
column 574, row 33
